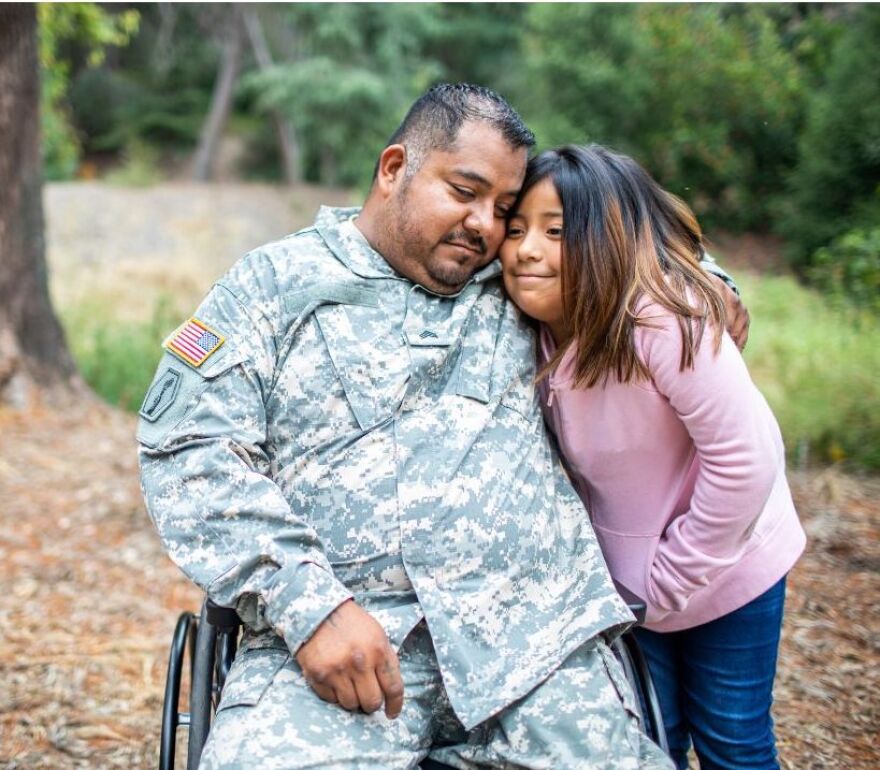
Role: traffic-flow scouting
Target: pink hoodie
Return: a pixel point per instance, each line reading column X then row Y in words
column 683, row 475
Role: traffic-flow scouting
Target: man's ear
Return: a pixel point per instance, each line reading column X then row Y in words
column 392, row 167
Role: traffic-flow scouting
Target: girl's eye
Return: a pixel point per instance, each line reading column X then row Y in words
column 463, row 192
column 514, row 232
column 555, row 232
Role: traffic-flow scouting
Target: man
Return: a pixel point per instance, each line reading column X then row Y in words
column 344, row 444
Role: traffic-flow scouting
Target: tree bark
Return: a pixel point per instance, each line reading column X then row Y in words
column 288, row 143
column 221, row 99
column 33, row 352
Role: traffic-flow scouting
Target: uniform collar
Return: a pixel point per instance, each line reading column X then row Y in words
column 336, row 226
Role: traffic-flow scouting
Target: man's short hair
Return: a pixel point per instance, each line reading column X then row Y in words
column 434, row 120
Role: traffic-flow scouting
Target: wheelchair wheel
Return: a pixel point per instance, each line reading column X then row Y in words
column 183, row 644
column 208, row 643
column 201, row 705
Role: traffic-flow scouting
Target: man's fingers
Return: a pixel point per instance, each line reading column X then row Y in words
column 388, row 676
column 345, row 693
column 369, row 694
column 323, row 692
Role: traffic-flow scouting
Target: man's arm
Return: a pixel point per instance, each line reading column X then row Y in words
column 207, row 486
column 737, row 314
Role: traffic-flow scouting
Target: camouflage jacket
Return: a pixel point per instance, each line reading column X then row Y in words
column 325, row 429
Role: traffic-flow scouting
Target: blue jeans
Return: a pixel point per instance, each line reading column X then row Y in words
column 715, row 685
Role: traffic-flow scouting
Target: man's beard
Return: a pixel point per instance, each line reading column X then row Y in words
column 445, row 273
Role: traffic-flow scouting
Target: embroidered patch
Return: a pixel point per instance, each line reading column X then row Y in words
column 194, row 342
column 161, row 395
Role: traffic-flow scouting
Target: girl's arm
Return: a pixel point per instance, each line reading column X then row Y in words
column 738, row 448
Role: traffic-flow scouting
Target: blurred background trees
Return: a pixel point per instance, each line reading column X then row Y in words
column 765, row 118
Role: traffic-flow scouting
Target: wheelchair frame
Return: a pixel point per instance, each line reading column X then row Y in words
column 211, row 641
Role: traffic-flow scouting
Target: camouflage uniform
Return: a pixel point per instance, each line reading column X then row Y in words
column 355, row 435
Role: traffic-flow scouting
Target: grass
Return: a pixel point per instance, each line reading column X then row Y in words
column 118, row 358
column 817, row 365
column 140, row 166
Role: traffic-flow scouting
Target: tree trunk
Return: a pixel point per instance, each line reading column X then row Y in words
column 33, row 353
column 221, row 99
column 287, row 140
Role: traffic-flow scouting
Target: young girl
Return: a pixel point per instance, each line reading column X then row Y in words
column 671, row 446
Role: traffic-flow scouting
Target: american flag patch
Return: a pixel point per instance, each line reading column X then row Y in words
column 194, row 342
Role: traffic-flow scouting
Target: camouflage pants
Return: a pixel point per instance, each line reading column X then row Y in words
column 580, row 717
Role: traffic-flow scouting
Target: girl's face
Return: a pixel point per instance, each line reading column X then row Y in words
column 531, row 256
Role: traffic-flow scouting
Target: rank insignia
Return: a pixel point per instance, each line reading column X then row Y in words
column 194, row 342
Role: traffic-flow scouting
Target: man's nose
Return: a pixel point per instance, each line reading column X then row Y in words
column 481, row 218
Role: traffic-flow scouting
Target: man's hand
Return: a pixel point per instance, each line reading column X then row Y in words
column 350, row 661
column 737, row 314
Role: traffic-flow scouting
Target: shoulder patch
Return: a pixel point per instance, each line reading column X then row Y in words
column 194, row 342
column 161, row 395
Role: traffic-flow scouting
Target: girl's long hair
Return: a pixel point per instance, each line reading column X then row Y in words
column 624, row 239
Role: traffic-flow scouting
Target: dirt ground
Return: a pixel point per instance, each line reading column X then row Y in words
column 88, row 600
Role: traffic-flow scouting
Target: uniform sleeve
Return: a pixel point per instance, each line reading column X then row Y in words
column 709, row 264
column 207, row 480
column 736, row 442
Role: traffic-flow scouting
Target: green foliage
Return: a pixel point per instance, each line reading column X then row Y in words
column 706, row 96
column 849, row 269
column 69, row 30
column 322, row 98
column 817, row 366
column 347, row 82
column 117, row 358
column 835, row 187
column 112, row 109
column 157, row 90
column 352, row 70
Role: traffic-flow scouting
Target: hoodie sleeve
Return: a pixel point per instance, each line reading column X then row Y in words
column 736, row 440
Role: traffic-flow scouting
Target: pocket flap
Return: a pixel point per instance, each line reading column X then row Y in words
column 352, row 362
column 250, row 677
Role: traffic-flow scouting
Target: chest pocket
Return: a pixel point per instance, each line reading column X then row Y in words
column 369, row 357
column 497, row 360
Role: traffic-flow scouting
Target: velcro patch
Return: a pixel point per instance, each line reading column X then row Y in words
column 194, row 342
column 161, row 395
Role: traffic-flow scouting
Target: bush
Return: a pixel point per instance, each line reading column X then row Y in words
column 705, row 96
column 118, row 359
column 140, row 166
column 72, row 30
column 834, row 187
column 849, row 269
column 817, row 366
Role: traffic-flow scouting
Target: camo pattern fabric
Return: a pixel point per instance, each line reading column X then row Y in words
column 581, row 717
column 356, row 435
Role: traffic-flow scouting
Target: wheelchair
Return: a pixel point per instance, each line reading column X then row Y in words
column 204, row 646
